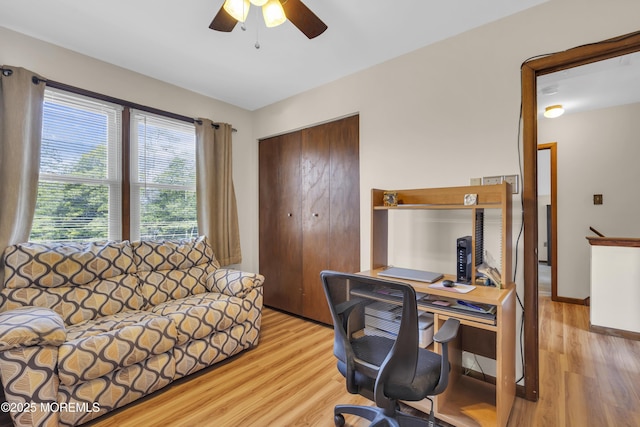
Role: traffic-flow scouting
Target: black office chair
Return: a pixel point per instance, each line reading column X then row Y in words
column 382, row 369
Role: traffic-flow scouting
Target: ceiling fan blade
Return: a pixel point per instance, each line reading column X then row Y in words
column 223, row 21
column 303, row 18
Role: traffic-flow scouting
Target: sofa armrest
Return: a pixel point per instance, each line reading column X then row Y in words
column 234, row 282
column 31, row 326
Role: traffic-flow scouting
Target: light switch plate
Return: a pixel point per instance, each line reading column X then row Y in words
column 514, row 181
column 491, row 180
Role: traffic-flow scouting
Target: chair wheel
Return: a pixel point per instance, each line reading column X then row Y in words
column 338, row 420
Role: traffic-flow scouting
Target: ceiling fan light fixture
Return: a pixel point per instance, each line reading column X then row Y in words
column 238, row 9
column 273, row 13
column 258, row 3
column 553, row 111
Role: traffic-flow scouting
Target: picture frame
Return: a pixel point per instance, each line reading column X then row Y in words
column 390, row 198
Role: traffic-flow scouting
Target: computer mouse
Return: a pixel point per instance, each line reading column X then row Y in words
column 447, row 283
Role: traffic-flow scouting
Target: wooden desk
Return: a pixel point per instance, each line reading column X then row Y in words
column 468, row 401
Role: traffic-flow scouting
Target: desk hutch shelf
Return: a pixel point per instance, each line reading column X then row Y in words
column 467, row 401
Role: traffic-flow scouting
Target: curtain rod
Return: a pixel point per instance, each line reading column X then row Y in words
column 215, row 125
column 35, row 79
column 79, row 91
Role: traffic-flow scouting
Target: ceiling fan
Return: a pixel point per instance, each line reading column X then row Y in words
column 275, row 12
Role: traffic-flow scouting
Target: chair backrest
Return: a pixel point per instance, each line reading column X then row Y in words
column 347, row 296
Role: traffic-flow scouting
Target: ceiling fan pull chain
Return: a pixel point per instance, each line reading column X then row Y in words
column 257, row 45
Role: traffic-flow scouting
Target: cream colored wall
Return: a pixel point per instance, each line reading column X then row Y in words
column 544, row 199
column 78, row 70
column 448, row 112
column 598, row 153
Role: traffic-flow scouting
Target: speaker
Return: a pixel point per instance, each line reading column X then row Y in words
column 463, row 258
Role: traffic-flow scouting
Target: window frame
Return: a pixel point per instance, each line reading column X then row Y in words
column 125, row 156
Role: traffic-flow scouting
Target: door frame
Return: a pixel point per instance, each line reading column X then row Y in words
column 530, row 70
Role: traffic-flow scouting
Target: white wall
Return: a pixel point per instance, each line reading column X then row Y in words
column 598, row 153
column 78, row 70
column 619, row 267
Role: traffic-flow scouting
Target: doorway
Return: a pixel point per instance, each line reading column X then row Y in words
column 548, row 220
column 592, row 52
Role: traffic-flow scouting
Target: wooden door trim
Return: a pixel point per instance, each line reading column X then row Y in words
column 529, row 71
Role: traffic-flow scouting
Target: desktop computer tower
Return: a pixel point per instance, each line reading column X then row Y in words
column 463, row 259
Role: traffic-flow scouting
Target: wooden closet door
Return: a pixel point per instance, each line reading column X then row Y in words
column 316, row 174
column 345, row 195
column 330, row 208
column 280, row 221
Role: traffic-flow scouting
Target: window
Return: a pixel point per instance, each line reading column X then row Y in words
column 80, row 190
column 163, row 178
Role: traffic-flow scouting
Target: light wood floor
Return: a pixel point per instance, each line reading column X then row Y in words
column 290, row 379
column 586, row 379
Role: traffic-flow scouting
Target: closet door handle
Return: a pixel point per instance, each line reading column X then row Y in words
column 289, row 214
column 315, row 214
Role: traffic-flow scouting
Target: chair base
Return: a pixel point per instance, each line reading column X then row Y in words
column 378, row 418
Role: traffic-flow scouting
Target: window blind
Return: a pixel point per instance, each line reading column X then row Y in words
column 79, row 190
column 163, row 178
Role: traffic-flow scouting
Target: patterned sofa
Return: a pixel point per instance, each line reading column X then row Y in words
column 87, row 328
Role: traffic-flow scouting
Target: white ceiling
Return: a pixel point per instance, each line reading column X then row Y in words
column 602, row 84
column 170, row 40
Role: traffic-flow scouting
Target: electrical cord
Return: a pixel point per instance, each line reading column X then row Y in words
column 518, row 243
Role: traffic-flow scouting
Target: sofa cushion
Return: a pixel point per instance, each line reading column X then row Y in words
column 168, row 285
column 170, row 270
column 64, row 264
column 97, row 347
column 201, row 315
column 155, row 255
column 79, row 281
column 79, row 303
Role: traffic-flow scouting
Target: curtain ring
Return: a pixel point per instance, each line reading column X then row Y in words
column 6, row 72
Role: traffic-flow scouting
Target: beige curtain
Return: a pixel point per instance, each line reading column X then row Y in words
column 21, row 102
column 216, row 198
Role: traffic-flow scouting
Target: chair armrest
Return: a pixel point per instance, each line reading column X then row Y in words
column 31, row 326
column 448, row 331
column 234, row 282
